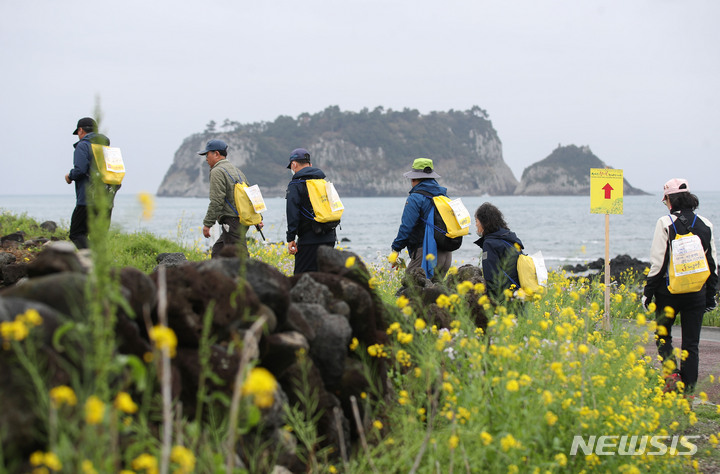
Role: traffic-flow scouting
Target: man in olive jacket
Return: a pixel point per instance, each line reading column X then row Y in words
column 223, row 176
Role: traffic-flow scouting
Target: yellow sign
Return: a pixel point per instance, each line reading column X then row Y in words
column 606, row 191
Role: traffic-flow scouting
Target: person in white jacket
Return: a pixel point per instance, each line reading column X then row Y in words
column 680, row 220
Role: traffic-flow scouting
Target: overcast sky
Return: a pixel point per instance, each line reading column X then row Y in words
column 636, row 80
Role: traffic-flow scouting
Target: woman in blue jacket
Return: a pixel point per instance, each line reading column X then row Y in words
column 500, row 249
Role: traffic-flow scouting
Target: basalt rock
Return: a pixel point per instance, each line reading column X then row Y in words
column 57, row 257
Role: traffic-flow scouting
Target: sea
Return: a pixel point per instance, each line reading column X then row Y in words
column 560, row 227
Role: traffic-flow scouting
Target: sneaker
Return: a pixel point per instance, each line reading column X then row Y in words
column 671, row 382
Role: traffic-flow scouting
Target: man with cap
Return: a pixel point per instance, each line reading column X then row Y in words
column 691, row 305
column 412, row 234
column 222, row 197
column 300, row 217
column 83, row 161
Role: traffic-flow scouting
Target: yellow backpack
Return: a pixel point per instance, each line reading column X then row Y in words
column 688, row 268
column 325, row 201
column 248, row 202
column 454, row 214
column 527, row 273
column 109, row 163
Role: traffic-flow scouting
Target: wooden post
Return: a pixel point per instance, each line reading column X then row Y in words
column 606, row 318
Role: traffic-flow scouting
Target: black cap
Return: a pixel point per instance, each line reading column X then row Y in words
column 86, row 122
column 298, row 154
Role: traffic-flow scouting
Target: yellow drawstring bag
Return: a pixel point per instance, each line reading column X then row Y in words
column 325, row 201
column 109, row 163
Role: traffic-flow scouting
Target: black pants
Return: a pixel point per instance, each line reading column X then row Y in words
column 233, row 235
column 691, row 308
column 79, row 226
column 306, row 257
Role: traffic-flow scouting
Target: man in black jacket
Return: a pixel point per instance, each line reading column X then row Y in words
column 299, row 213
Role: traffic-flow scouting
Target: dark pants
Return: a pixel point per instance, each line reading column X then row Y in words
column 79, row 226
column 232, row 235
column 691, row 308
column 306, row 257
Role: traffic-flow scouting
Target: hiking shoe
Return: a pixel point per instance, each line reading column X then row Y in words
column 671, row 382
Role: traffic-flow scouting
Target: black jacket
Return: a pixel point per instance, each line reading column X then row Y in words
column 499, row 259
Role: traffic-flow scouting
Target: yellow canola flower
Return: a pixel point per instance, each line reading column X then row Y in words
column 87, row 467
column 402, row 301
column 404, row 337
column 486, row 438
column 420, row 324
column 350, row 262
column 453, row 442
column 551, row 418
column 452, row 270
column 49, row 460
column 377, row 424
column 148, row 204
column 164, row 338
column 464, row 287
column 508, row 442
column 94, row 410
column 373, row 283
column 561, row 459
column 430, row 257
column 13, row 330
column 512, row 386
column 407, row 311
column 443, row 301
column 125, row 403
column 62, row 394
column 354, row 343
column 145, row 462
column 183, row 457
column 261, row 384
column 392, row 258
column 30, row 317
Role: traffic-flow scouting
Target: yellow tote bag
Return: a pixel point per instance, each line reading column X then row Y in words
column 245, row 208
column 325, row 201
column 688, row 268
column 109, row 163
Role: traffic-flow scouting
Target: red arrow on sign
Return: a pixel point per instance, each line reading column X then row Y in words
column 607, row 188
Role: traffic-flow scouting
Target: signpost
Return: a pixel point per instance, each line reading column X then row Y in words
column 606, row 197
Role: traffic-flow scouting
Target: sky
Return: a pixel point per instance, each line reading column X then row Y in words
column 638, row 81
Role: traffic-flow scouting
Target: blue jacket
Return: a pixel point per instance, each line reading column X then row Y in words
column 83, row 159
column 417, row 208
column 499, row 259
column 299, row 210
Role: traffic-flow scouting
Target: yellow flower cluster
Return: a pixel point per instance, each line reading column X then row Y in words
column 261, row 384
column 63, row 395
column 49, row 460
column 377, row 350
column 164, row 338
column 19, row 328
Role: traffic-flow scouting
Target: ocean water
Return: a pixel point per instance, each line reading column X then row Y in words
column 561, row 227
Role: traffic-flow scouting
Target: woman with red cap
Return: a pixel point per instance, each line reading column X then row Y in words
column 671, row 301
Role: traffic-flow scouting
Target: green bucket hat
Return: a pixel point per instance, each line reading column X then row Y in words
column 421, row 168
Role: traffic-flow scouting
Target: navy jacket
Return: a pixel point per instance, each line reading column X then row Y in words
column 499, row 259
column 83, row 159
column 417, row 208
column 299, row 210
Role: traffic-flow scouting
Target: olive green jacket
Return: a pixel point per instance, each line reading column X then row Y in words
column 222, row 189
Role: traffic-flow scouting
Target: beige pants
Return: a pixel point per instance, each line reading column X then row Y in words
column 443, row 260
